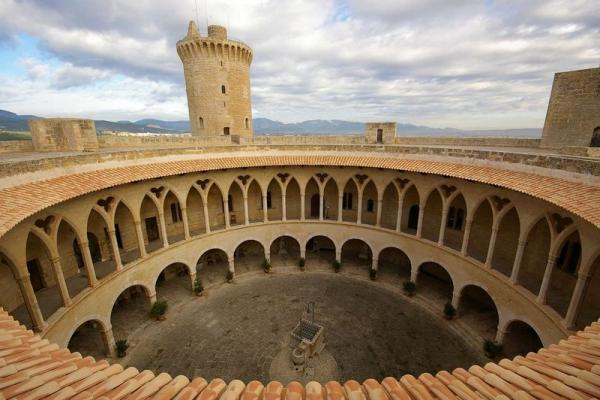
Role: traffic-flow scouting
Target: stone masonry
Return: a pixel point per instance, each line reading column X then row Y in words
column 63, row 134
column 380, row 132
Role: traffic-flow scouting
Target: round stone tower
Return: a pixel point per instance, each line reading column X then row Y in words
column 217, row 80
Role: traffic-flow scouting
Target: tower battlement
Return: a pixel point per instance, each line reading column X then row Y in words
column 217, row 79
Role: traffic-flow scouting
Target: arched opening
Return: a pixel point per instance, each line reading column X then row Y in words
column 435, row 283
column 432, row 217
column 216, row 211
column 564, row 275
column 590, row 303
column 535, row 257
column 481, row 231
column 126, row 234
column 389, row 207
column 520, row 338
column 274, row 205
column 11, row 296
column 223, row 90
column 129, row 311
column 350, row 202
column 173, row 218
column 285, row 251
column 235, row 198
column 100, row 246
column 246, row 123
column 150, row 225
column 507, row 242
column 369, row 204
column 292, row 200
column 89, row 341
column 478, row 310
column 249, row 256
column 330, row 201
column 320, row 251
column 200, row 123
column 455, row 223
column 255, row 203
column 195, row 213
column 410, row 211
column 212, row 267
column 595, row 142
column 173, row 283
column 71, row 260
column 393, row 264
column 312, row 200
column 356, row 256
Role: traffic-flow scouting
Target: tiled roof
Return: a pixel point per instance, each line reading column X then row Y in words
column 19, row 202
column 31, row 368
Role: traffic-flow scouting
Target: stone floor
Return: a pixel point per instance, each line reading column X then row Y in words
column 236, row 330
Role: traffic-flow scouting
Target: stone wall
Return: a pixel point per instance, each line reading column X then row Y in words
column 574, row 109
column 16, row 146
column 63, row 134
column 162, row 141
column 387, row 130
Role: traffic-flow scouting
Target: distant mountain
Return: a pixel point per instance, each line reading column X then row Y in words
column 263, row 126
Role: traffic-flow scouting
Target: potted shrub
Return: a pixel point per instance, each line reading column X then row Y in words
column 266, row 265
column 336, row 265
column 229, row 277
column 198, row 288
column 121, row 347
column 409, row 288
column 302, row 263
column 492, row 349
column 449, row 311
column 158, row 310
column 373, row 274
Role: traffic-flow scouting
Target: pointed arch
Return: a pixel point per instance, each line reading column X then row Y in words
column 215, row 205
column 481, row 231
column 150, row 224
column 505, row 250
column 432, row 216
column 42, row 276
column 195, row 212
column 173, row 218
column 11, row 296
column 274, row 204
column 369, row 204
column 564, row 274
column 100, row 245
column 71, row 258
column 455, row 223
column 535, row 256
column 125, row 230
column 590, row 302
column 330, row 200
column 350, row 201
column 410, row 211
column 389, row 207
column 312, row 199
column 255, row 202
column 235, row 200
column 292, row 200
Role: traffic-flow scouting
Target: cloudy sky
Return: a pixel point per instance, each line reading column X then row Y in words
column 462, row 63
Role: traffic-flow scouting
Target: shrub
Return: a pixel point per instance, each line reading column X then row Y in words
column 266, row 265
column 409, row 288
column 449, row 310
column 492, row 348
column 336, row 265
column 229, row 276
column 198, row 288
column 121, row 347
column 373, row 274
column 301, row 263
column 159, row 309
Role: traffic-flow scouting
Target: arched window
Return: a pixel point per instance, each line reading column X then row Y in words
column 413, row 217
column 596, row 138
column 223, row 89
column 246, row 123
column 200, row 122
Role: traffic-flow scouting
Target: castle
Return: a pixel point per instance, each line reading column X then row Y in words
column 502, row 234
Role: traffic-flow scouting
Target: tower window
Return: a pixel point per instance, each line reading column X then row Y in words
column 223, row 89
column 200, row 122
column 246, row 123
column 226, row 131
column 595, row 138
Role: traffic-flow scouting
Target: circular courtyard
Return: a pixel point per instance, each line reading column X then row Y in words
column 242, row 331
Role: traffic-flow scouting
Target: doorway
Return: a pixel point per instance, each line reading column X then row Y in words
column 379, row 135
column 226, row 131
column 152, row 229
column 314, row 205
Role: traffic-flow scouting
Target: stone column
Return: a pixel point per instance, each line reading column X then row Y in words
column 109, row 342
column 140, row 239
column 456, row 300
column 340, row 207
column 321, row 204
column 31, row 302
column 466, row 237
column 115, row 248
column 265, row 208
column 514, row 276
column 399, row 213
column 581, row 287
column 379, row 210
column 60, row 281
column 163, row 229
column 338, row 255
column 226, row 212
column 541, row 298
column 246, row 215
column 491, row 247
column 231, row 262
column 500, row 335
column 268, row 255
column 186, row 223
column 359, row 209
column 192, row 280
column 374, row 264
column 302, row 207
column 84, row 247
column 443, row 227
column 283, row 208
column 420, row 221
column 151, row 298
column 206, row 216
column 303, row 252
